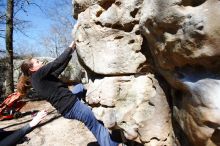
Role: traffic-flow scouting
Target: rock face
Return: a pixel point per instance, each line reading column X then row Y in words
column 106, row 50
column 125, row 93
column 122, row 43
column 136, row 104
column 183, row 37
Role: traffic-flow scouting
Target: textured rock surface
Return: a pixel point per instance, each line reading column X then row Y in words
column 125, row 94
column 184, row 40
column 136, row 104
column 179, row 39
column 105, row 50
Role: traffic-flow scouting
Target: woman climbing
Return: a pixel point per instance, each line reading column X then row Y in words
column 44, row 79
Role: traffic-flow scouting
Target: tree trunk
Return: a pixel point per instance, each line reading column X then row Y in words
column 9, row 47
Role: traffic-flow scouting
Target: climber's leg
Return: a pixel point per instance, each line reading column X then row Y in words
column 84, row 114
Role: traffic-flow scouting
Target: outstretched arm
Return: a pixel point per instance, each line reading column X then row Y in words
column 17, row 135
column 57, row 72
column 59, row 63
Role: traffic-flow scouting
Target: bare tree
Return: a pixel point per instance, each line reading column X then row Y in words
column 12, row 23
column 59, row 36
column 9, row 46
column 57, row 40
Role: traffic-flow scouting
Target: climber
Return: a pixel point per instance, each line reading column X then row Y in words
column 44, row 79
column 9, row 138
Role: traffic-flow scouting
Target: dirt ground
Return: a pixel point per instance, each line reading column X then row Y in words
column 53, row 131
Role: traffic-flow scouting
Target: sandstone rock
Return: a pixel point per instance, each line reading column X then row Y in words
column 180, row 41
column 183, row 37
column 138, row 106
column 109, row 43
column 105, row 50
column 180, row 34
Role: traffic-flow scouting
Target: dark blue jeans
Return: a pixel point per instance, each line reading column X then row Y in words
column 84, row 114
column 79, row 90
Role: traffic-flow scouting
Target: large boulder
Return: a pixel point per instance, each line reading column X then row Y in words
column 184, row 39
column 177, row 39
column 122, row 89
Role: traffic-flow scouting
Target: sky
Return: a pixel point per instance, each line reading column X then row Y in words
column 40, row 24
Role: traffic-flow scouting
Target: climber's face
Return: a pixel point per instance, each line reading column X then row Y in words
column 37, row 64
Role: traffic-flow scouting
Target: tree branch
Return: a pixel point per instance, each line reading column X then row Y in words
column 22, row 32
